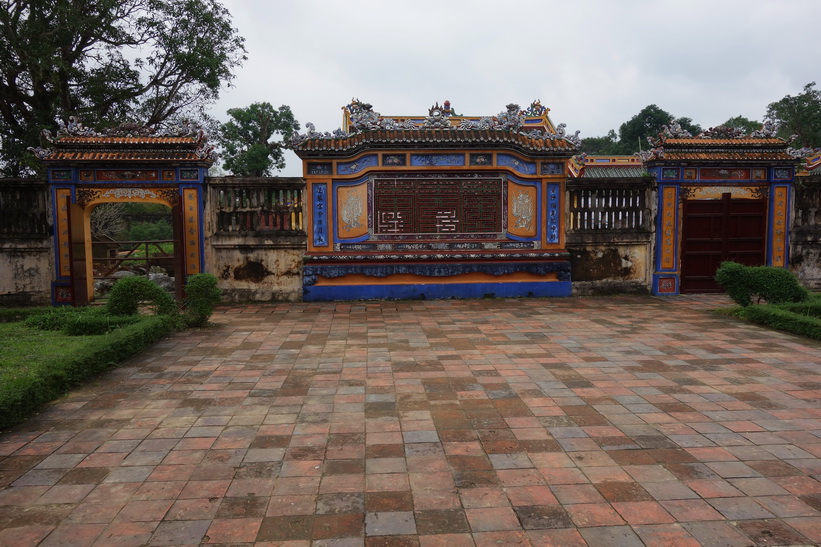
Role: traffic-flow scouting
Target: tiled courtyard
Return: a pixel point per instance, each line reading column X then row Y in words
column 586, row 421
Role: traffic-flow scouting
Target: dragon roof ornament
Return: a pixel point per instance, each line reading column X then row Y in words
column 364, row 118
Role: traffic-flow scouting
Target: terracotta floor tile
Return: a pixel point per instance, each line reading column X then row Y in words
column 486, row 422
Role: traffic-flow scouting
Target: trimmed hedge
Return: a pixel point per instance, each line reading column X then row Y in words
column 788, row 317
column 774, row 285
column 22, row 394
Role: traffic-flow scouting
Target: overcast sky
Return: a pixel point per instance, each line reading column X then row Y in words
column 594, row 63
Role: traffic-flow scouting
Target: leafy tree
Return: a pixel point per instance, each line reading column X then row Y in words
column 648, row 123
column 107, row 62
column 255, row 138
column 604, row 146
column 745, row 124
column 799, row 115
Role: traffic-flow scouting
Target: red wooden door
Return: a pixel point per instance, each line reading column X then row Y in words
column 717, row 230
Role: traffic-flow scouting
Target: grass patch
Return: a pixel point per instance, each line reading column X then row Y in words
column 38, row 366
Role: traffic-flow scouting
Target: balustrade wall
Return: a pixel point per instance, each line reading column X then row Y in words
column 26, row 252
column 610, row 234
column 255, row 237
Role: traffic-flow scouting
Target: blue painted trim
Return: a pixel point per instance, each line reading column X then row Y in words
column 354, row 167
column 428, row 160
column 437, row 291
column 659, row 227
column 771, row 224
column 524, row 167
column 539, row 214
column 434, row 269
column 553, row 212
column 655, row 288
column 319, row 213
column 54, row 285
column 201, row 212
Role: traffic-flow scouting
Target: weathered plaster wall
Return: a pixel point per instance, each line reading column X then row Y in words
column 805, row 236
column 611, row 268
column 253, row 269
column 26, row 271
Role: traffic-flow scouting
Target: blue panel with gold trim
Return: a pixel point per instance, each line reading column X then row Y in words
column 524, row 167
column 320, row 214
column 427, row 160
column 353, row 167
column 553, row 198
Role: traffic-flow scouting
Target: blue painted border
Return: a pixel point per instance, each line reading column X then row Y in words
column 771, row 224
column 54, row 187
column 319, row 213
column 357, row 165
column 524, row 167
column 201, row 212
column 431, row 160
column 655, row 288
column 335, row 184
column 433, row 269
column 438, row 291
column 554, row 201
column 539, row 214
column 660, row 233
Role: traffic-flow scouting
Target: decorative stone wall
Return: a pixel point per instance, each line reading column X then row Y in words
column 255, row 237
column 610, row 235
column 26, row 252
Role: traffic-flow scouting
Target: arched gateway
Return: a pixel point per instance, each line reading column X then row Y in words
column 126, row 164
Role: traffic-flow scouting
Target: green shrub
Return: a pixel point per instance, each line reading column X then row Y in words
column 128, row 293
column 774, row 285
column 202, row 296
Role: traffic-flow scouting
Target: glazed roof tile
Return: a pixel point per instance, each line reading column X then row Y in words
column 714, row 142
column 110, row 140
column 612, row 171
column 130, row 155
column 723, row 155
column 435, row 138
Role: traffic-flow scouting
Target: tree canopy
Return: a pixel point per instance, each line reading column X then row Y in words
column 255, row 138
column 745, row 124
column 799, row 115
column 108, row 62
column 633, row 133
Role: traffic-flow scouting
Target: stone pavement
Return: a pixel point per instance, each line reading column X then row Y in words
column 602, row 421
